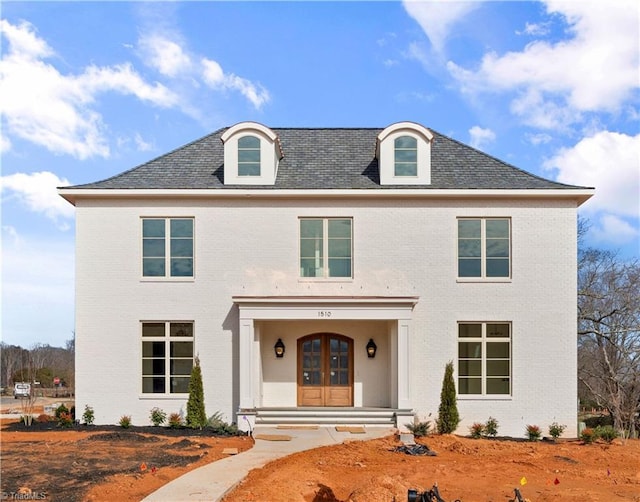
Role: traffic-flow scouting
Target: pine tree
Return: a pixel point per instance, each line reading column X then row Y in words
column 448, row 417
column 196, row 416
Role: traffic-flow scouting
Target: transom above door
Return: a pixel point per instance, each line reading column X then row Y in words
column 325, row 370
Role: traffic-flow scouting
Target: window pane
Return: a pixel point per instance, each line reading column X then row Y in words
column 181, row 329
column 182, row 248
column 181, row 349
column 496, row 367
column 406, row 169
column 249, row 169
column 340, row 248
column 497, row 228
column 469, row 248
column 498, row 350
column 469, row 229
column 470, row 368
column 153, row 267
column 469, row 386
column 498, row 386
column 339, row 267
column 179, row 385
column 498, row 267
column 497, row 330
column 339, row 228
column 469, row 267
column 181, row 366
column 250, row 156
column 182, row 267
column 406, row 142
column 311, row 228
column 310, row 248
column 182, row 227
column 152, row 349
column 153, row 248
column 497, row 248
column 470, row 330
column 153, row 329
column 153, row 228
column 249, row 142
column 153, row 385
column 404, row 156
column 470, row 350
column 308, row 268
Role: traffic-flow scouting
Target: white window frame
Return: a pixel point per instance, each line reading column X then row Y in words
column 243, row 148
column 167, row 249
column 325, row 249
column 167, row 339
column 483, row 250
column 483, row 339
column 397, row 163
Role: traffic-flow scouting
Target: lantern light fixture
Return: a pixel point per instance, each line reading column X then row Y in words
column 279, row 348
column 371, row 348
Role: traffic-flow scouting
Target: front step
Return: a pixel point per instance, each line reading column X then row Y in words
column 372, row 417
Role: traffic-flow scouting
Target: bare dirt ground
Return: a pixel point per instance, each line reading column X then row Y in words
column 107, row 464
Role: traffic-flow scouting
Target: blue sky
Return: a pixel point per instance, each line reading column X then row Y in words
column 90, row 89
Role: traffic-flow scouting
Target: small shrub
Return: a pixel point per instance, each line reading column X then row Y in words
column 588, row 435
column 606, row 433
column 448, row 416
column 491, row 428
column 419, row 429
column 43, row 418
column 88, row 416
column 533, row 433
column 219, row 427
column 477, row 430
column 125, row 421
column 556, row 430
column 65, row 420
column 175, row 421
column 196, row 416
column 60, row 410
column 157, row 416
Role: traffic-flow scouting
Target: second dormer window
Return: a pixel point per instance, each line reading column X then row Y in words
column 249, row 156
column 406, row 156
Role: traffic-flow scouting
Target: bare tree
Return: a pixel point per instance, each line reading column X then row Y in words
column 609, row 334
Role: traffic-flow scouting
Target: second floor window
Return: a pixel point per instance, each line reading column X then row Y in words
column 406, row 156
column 167, row 247
column 249, row 156
column 326, row 247
column 484, row 247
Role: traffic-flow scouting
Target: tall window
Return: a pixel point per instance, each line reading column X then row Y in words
column 167, row 247
column 484, row 358
column 167, row 357
column 484, row 247
column 249, row 156
column 325, row 247
column 406, row 156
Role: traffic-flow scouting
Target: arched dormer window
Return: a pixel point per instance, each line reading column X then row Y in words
column 404, row 154
column 251, row 154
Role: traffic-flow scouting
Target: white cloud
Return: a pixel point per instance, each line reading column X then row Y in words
column 438, row 18
column 141, row 144
column 538, row 139
column 53, row 110
column 481, row 137
column 37, row 191
column 609, row 162
column 216, row 78
column 610, row 229
column 165, row 55
column 594, row 69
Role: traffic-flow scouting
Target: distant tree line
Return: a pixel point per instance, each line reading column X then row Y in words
column 609, row 334
column 41, row 363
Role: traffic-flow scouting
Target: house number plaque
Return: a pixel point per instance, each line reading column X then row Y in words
column 324, row 313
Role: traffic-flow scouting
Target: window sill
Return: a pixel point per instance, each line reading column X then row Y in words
column 494, row 397
column 325, row 279
column 167, row 279
column 490, row 280
column 164, row 396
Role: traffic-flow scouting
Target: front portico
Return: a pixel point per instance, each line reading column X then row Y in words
column 325, row 362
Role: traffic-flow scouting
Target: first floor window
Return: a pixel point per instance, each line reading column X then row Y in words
column 167, row 247
column 325, row 247
column 484, row 358
column 167, row 357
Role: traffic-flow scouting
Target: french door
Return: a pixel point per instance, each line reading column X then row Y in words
column 325, row 370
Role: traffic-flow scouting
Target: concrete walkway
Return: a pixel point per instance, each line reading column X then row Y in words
column 212, row 481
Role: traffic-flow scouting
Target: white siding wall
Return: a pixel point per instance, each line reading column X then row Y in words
column 405, row 248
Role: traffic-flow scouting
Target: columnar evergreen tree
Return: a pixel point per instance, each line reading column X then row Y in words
column 196, row 416
column 448, row 417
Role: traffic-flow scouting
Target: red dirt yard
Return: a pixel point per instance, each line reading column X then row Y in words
column 105, row 465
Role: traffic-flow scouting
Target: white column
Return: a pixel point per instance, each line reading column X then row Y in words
column 404, row 397
column 247, row 397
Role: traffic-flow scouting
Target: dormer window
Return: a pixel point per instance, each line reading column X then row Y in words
column 251, row 154
column 404, row 154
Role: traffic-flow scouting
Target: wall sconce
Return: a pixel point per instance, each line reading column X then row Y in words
column 279, row 348
column 371, row 348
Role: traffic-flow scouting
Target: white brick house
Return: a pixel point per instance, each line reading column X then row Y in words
column 326, row 242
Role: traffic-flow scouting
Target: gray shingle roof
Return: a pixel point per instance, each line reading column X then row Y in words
column 325, row 159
